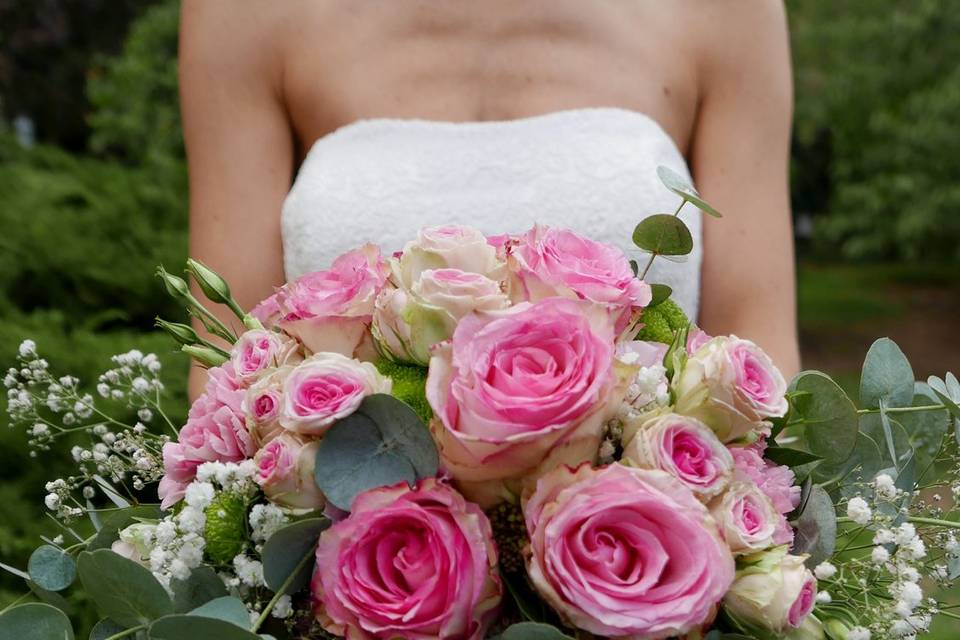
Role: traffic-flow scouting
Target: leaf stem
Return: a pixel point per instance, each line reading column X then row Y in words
column 126, row 632
column 925, row 407
column 654, row 255
column 283, row 588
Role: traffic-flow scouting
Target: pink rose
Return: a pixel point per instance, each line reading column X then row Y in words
column 448, row 247
column 258, row 350
column 285, row 472
column 773, row 590
column 324, row 388
column 261, row 405
column 412, row 317
column 408, row 563
column 557, row 262
column 776, row 482
column 686, row 449
column 624, row 552
column 519, row 390
column 732, row 386
column 216, row 431
column 746, row 518
column 331, row 310
column 268, row 311
column 696, row 338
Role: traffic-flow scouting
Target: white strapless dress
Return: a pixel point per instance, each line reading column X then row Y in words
column 589, row 170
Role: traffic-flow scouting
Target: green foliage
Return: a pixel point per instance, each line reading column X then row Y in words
column 661, row 322
column 200, row 587
column 286, row 555
column 663, row 234
column 51, row 568
column 533, row 631
column 382, row 443
column 35, row 621
column 124, row 591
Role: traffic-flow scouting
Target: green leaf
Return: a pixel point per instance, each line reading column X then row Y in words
column 15, row 571
column 201, row 586
column 382, row 443
column 816, row 528
column 893, row 451
column 865, row 457
column 789, row 457
column 887, row 376
column 663, row 234
column 104, row 629
column 112, row 526
column 528, row 603
column 181, row 627
column 51, row 568
column 660, row 292
column 286, row 548
column 228, row 609
column 50, row 597
column 124, row 591
column 827, row 414
column 634, row 267
column 534, row 631
column 35, row 621
column 948, row 392
column 680, row 186
column 925, row 428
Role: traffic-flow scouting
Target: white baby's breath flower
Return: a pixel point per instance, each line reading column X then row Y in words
column 880, row 555
column 824, row 571
column 283, row 608
column 884, row 486
column 858, row 633
column 199, row 494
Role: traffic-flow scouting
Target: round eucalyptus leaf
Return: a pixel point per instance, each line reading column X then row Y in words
column 534, row 631
column 829, row 417
column 682, row 187
column 124, row 591
column 51, row 568
column 887, row 376
column 286, row 549
column 228, row 608
column 860, row 466
column 105, row 629
column 52, row 598
column 35, row 621
column 184, row 626
column 382, row 443
column 200, row 587
column 663, row 234
column 816, row 528
column 660, row 293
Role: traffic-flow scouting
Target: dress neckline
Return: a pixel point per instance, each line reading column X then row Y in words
column 363, row 126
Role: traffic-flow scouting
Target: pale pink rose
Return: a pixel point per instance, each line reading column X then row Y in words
column 216, row 431
column 747, row 518
column 409, row 321
column 521, row 390
column 267, row 311
column 285, row 472
column 324, row 388
column 448, row 247
column 331, row 310
column 550, row 262
column 686, row 449
column 776, row 481
column 696, row 338
column 624, row 552
column 409, row 564
column 773, row 589
column 262, row 402
column 732, row 386
column 258, row 350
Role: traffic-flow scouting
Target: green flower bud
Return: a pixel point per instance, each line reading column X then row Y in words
column 210, row 282
column 660, row 322
column 409, row 385
column 176, row 286
column 182, row 333
column 205, row 355
column 226, row 527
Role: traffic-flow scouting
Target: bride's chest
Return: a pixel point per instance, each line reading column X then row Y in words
column 495, row 60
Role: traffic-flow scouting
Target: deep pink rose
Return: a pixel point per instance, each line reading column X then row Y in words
column 285, row 472
column 556, row 262
column 331, row 310
column 324, row 388
column 258, row 350
column 520, row 390
column 776, row 481
column 686, row 449
column 216, row 431
column 624, row 552
column 408, row 563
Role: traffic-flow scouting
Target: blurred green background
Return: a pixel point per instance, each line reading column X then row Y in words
column 93, row 195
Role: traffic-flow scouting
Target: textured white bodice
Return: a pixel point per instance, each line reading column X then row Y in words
column 589, row 170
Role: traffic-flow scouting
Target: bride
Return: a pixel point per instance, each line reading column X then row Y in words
column 313, row 126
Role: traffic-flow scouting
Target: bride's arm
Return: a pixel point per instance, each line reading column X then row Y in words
column 739, row 157
column 239, row 147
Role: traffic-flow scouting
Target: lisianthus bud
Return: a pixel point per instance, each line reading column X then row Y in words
column 204, row 355
column 182, row 333
column 176, row 286
column 773, row 590
column 285, row 472
column 210, row 282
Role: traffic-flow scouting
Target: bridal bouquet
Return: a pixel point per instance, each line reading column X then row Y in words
column 512, row 437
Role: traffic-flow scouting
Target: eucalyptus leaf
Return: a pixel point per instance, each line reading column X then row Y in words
column 790, row 457
column 872, row 424
column 124, row 591
column 17, row 572
column 925, row 428
column 185, row 626
column 828, row 416
column 51, row 568
column 286, row 548
column 534, row 631
column 660, row 293
column 528, row 603
column 663, row 234
column 382, row 443
column 52, row 598
column 887, row 376
column 861, row 465
column 35, row 621
column 104, row 629
column 111, row 493
column 122, row 519
column 200, row 587
column 816, row 528
column 948, row 392
column 227, row 608
column 634, row 267
column 680, row 186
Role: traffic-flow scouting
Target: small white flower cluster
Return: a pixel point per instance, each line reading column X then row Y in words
column 59, row 498
column 647, row 391
column 134, row 379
